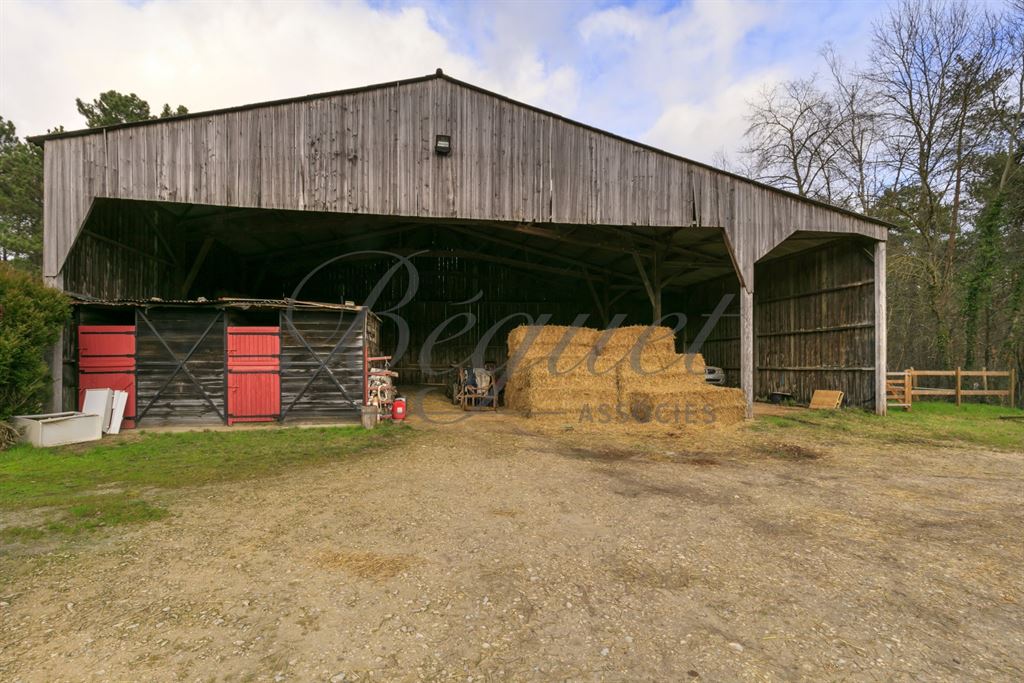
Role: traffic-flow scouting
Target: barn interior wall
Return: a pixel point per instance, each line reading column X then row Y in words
column 813, row 309
column 720, row 346
column 462, row 304
column 813, row 322
column 119, row 255
column 131, row 250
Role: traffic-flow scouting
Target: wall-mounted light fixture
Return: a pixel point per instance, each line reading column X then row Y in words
column 443, row 145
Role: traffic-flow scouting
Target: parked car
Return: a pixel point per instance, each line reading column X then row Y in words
column 713, row 375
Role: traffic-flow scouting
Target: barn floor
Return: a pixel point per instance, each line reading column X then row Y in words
column 488, row 550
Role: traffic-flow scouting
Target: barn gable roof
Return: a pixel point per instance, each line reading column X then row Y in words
column 562, row 171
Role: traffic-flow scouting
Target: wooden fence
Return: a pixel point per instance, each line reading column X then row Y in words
column 903, row 387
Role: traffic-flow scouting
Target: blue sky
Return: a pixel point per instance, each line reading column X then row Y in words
column 676, row 75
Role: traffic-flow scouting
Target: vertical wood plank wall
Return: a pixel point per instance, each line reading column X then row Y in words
column 334, row 340
column 119, row 256
column 814, row 322
column 172, row 393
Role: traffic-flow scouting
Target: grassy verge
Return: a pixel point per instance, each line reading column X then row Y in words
column 927, row 423
column 88, row 486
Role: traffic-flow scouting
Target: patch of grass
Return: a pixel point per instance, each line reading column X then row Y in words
column 88, row 515
column 109, row 511
column 20, row 534
column 99, row 485
column 929, row 422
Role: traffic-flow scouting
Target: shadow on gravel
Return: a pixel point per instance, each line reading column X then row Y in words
column 791, row 452
column 601, row 455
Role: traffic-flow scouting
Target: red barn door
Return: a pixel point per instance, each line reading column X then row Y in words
column 106, row 360
column 254, row 374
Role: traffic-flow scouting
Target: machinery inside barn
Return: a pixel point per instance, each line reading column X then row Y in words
column 192, row 228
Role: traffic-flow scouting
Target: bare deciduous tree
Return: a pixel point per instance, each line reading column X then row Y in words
column 791, row 138
column 930, row 136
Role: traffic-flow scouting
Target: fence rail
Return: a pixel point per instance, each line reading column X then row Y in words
column 903, row 387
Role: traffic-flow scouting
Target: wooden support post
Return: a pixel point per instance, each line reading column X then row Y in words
column 656, row 284
column 179, row 242
column 959, row 379
column 643, row 277
column 881, row 361
column 1013, row 387
column 56, row 362
column 605, row 298
column 747, row 348
column 908, row 388
column 602, row 309
column 56, row 358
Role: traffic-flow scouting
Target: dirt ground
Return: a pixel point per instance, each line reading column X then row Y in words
column 489, row 550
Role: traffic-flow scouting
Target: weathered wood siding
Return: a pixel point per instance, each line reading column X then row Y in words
column 165, row 394
column 813, row 323
column 814, row 320
column 721, row 346
column 119, row 256
column 372, row 151
column 321, row 364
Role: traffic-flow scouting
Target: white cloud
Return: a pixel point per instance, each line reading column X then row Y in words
column 683, row 76
column 613, row 23
column 677, row 78
column 210, row 55
column 701, row 130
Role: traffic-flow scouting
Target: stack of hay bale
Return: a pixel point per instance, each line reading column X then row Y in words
column 623, row 377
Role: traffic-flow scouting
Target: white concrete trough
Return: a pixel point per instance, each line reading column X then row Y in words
column 57, row 429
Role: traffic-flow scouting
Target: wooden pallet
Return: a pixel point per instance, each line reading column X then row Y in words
column 823, row 399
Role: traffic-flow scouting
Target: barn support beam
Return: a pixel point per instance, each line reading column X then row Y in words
column 656, row 283
column 652, row 284
column 600, row 304
column 55, row 359
column 747, row 348
column 881, row 350
column 204, row 251
column 547, row 253
column 56, row 363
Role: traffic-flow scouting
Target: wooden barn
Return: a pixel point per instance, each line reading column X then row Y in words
column 504, row 210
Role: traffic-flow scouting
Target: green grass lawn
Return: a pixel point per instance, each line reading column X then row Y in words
column 929, row 422
column 94, row 485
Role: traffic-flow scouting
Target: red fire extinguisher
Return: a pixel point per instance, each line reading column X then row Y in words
column 398, row 408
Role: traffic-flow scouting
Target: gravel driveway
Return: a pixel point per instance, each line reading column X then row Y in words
column 488, row 550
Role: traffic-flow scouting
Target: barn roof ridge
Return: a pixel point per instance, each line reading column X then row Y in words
column 440, row 75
